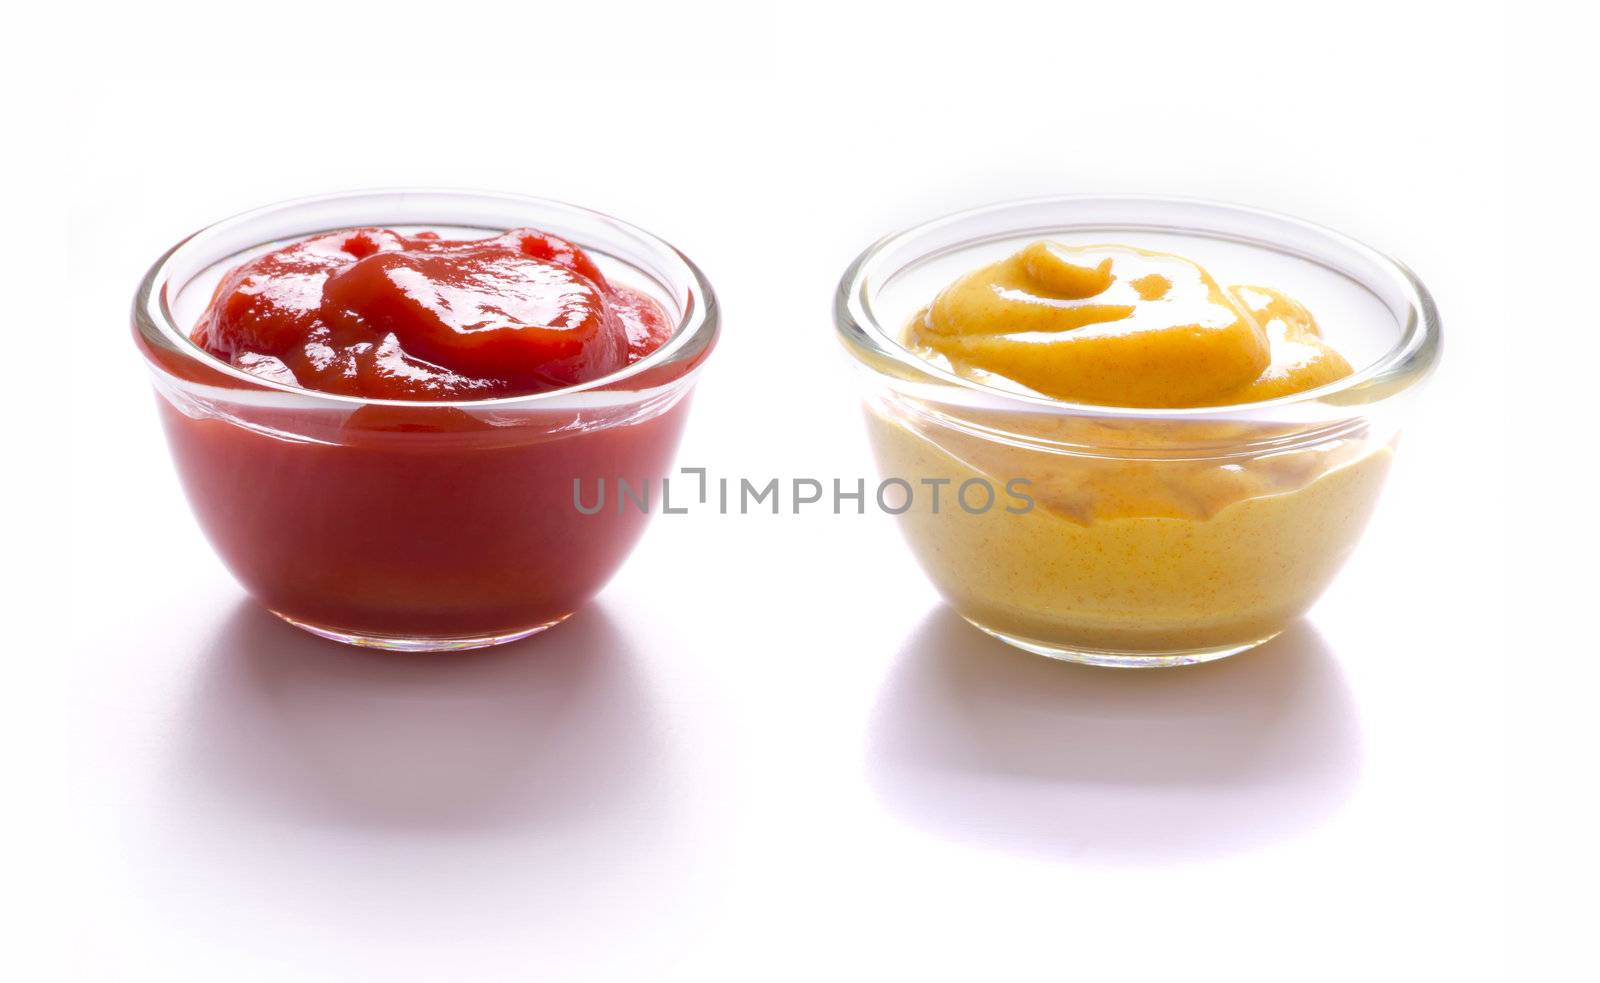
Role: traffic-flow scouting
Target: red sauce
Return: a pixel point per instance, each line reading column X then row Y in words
column 457, row 530
column 383, row 315
column 422, row 521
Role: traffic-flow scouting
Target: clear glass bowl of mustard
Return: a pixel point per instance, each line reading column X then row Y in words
column 1133, row 431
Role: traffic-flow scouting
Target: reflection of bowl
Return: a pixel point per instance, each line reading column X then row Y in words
column 1137, row 537
column 981, row 743
column 419, row 525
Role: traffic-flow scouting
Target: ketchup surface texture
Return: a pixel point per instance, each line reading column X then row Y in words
column 384, row 315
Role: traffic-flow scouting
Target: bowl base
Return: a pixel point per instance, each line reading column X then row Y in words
column 1121, row 659
column 397, row 643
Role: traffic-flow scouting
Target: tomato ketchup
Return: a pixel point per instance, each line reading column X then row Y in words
column 422, row 506
column 382, row 315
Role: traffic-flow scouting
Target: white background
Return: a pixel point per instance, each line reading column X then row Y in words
column 766, row 751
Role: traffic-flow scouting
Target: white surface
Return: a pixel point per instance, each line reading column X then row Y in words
column 767, row 752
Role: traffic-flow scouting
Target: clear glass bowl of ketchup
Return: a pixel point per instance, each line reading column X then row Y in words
column 411, row 524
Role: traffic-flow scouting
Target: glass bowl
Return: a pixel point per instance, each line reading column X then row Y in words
column 1136, row 537
column 412, row 525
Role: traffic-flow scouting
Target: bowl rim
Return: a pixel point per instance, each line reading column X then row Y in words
column 155, row 325
column 876, row 346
